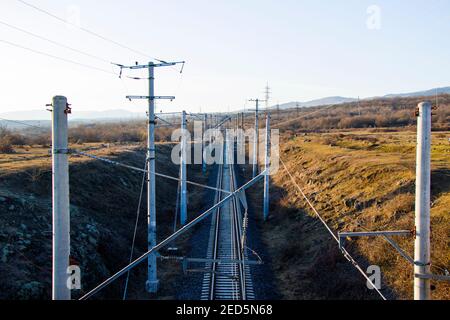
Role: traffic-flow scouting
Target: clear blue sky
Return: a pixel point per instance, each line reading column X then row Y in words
column 305, row 49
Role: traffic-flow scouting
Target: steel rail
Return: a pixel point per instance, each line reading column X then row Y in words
column 169, row 239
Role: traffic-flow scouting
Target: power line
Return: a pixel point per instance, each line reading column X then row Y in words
column 87, row 30
column 22, row 123
column 303, row 116
column 116, row 163
column 56, row 57
column 344, row 251
column 138, row 212
column 53, row 42
column 170, row 238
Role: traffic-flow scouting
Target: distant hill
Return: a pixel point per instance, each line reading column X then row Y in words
column 341, row 100
column 318, row 102
column 121, row 114
column 426, row 93
column 76, row 115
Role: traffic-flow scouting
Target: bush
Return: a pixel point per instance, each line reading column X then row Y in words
column 17, row 139
column 131, row 131
column 371, row 113
column 6, row 145
column 43, row 140
column 5, row 141
column 357, row 122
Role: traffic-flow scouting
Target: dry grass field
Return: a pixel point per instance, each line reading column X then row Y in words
column 104, row 201
column 358, row 181
column 359, row 176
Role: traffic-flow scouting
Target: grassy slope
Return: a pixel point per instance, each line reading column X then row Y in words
column 103, row 210
column 356, row 181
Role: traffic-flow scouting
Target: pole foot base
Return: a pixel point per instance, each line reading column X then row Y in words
column 152, row 286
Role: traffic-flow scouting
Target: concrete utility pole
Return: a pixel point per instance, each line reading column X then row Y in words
column 183, row 198
column 267, row 169
column 152, row 279
column 423, row 189
column 256, row 139
column 61, row 206
column 152, row 283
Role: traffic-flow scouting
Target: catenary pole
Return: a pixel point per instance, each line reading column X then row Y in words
column 183, row 198
column 205, row 128
column 152, row 282
column 266, row 169
column 422, row 215
column 256, row 138
column 60, row 201
column 152, row 279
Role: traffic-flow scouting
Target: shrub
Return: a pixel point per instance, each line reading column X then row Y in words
column 373, row 113
column 42, row 139
column 6, row 145
column 131, row 131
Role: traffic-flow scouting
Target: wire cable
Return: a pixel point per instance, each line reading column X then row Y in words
column 302, row 116
column 168, row 240
column 344, row 251
column 23, row 123
column 54, row 42
column 142, row 170
column 56, row 57
column 177, row 204
column 138, row 212
column 86, row 30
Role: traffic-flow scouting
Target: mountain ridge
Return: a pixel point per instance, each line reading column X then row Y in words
column 340, row 100
column 33, row 115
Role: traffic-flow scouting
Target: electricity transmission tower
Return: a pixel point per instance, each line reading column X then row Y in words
column 152, row 279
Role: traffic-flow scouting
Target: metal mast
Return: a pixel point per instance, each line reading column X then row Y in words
column 256, row 139
column 183, row 198
column 205, row 128
column 152, row 283
column 267, row 169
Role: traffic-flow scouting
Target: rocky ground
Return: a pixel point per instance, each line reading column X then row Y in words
column 103, row 212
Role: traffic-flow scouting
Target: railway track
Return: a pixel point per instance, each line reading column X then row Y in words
column 229, row 279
